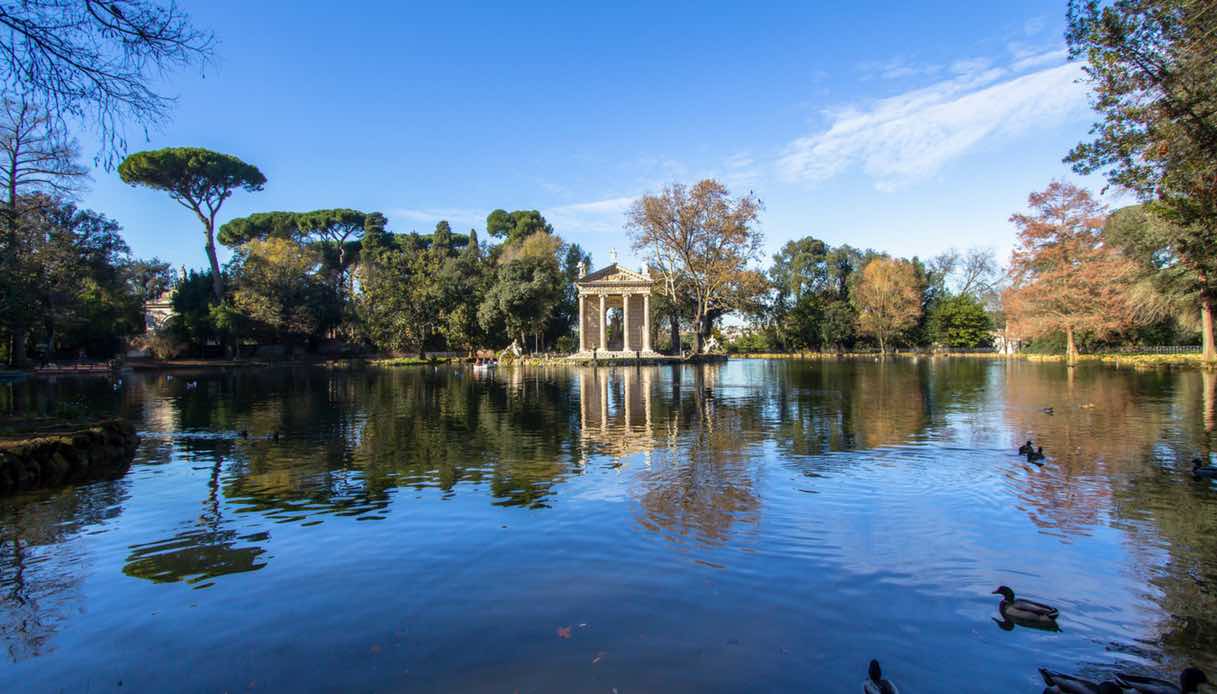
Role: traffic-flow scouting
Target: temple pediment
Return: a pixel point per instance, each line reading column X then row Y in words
column 614, row 274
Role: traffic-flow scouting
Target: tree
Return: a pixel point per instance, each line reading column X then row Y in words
column 199, row 180
column 260, row 225
column 528, row 286
column 279, row 288
column 514, row 226
column 1162, row 288
column 92, row 60
column 386, row 305
column 1063, row 277
column 960, row 320
column 77, row 286
column 887, row 299
column 1152, row 66
column 36, row 162
column 701, row 241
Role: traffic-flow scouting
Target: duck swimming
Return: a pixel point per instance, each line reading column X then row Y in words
column 1036, row 456
column 1048, row 410
column 1189, row 683
column 1025, row 448
column 1071, row 684
column 1203, row 472
column 875, row 682
column 1026, row 613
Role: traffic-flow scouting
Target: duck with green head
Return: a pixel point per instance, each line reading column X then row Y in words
column 1026, row 613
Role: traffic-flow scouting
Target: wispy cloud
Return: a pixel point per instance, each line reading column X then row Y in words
column 598, row 216
column 426, row 218
column 909, row 136
column 896, row 68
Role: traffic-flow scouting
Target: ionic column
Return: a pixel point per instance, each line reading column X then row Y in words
column 603, row 325
column 625, row 322
column 582, row 327
column 646, row 322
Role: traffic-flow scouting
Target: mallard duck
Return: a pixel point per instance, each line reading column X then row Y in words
column 1071, row 684
column 1025, row 612
column 1189, row 683
column 1203, row 472
column 875, row 683
column 1026, row 448
column 1037, row 455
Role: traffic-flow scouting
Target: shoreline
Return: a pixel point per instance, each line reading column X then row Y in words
column 1130, row 360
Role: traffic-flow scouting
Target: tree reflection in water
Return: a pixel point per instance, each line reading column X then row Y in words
column 697, row 455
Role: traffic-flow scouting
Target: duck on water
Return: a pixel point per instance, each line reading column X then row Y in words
column 875, row 682
column 1026, row 613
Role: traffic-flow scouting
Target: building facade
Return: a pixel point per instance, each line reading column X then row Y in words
column 615, row 313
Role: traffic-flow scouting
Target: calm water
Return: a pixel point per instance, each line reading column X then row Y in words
column 753, row 526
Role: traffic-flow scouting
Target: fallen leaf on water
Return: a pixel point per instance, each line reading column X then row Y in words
column 564, row 632
column 599, row 655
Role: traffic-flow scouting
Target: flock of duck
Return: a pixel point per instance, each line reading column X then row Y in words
column 1036, row 615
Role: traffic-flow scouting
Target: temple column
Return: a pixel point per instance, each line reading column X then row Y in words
column 646, row 322
column 625, row 322
column 582, row 326
column 603, row 325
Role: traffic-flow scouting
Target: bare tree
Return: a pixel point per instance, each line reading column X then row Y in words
column 978, row 272
column 35, row 157
column 90, row 60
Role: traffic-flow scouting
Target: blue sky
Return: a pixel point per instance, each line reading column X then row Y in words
column 907, row 127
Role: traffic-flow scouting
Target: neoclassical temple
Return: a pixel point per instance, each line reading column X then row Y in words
column 615, row 313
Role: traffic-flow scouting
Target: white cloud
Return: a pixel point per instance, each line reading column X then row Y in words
column 599, row 216
column 909, row 136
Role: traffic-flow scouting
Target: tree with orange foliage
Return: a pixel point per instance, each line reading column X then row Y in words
column 1063, row 277
column 887, row 298
column 701, row 241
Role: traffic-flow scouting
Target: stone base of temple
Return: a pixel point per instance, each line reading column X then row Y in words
column 604, row 357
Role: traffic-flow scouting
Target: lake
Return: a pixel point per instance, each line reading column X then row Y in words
column 755, row 525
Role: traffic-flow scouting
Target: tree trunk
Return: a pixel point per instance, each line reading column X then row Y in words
column 882, row 345
column 217, row 282
column 1206, row 331
column 20, row 356
column 698, row 319
column 1071, row 350
column 674, row 326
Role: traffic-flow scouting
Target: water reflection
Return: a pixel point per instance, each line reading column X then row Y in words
column 845, row 490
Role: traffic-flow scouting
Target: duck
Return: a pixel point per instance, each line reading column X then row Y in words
column 1059, row 682
column 1047, row 410
column 1026, row 448
column 1026, row 613
column 1036, row 456
column 1203, row 472
column 1189, row 682
column 875, row 682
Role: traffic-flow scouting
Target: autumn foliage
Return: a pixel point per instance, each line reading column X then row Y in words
column 1063, row 278
column 887, row 298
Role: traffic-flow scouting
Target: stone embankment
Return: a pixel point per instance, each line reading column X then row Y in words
column 94, row 451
